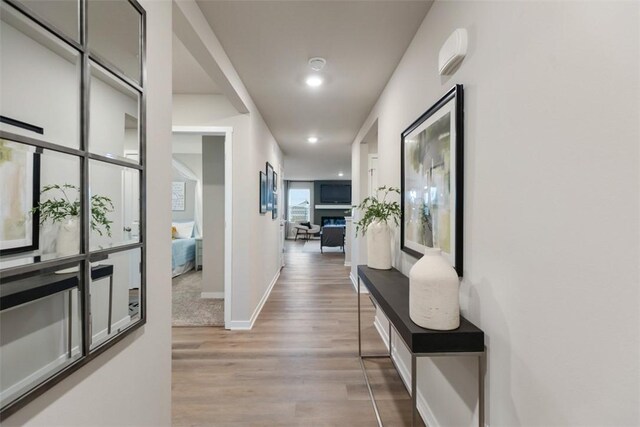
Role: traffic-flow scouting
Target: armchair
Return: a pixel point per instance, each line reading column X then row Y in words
column 305, row 231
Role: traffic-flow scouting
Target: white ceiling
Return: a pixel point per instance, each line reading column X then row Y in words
column 269, row 44
column 188, row 75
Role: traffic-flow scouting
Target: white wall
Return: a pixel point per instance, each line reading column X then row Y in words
column 551, row 206
column 213, row 222
column 187, row 151
column 52, row 89
column 130, row 384
column 359, row 190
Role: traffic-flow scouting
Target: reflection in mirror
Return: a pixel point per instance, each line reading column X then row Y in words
column 114, row 34
column 40, row 328
column 40, row 82
column 113, row 118
column 115, row 205
column 40, row 210
column 115, row 294
column 62, row 14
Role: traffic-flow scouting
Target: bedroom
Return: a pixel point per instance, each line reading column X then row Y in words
column 197, row 205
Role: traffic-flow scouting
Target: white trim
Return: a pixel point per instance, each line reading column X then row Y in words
column 333, row 206
column 37, row 376
column 216, row 295
column 227, row 132
column 405, row 375
column 248, row 324
column 347, row 263
column 354, row 282
column 101, row 335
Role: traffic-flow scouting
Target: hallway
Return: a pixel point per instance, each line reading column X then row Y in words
column 297, row 366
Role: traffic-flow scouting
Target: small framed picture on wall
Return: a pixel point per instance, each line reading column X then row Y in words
column 270, row 186
column 263, row 192
column 274, row 211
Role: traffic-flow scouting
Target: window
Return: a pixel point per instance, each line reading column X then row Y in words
column 299, row 204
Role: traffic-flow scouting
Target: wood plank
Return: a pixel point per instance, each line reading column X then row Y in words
column 298, row 366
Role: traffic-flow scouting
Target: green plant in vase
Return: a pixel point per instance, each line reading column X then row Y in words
column 377, row 213
column 63, row 207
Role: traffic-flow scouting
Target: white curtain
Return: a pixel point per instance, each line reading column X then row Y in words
column 187, row 173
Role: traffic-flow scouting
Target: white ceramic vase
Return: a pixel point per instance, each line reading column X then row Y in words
column 379, row 245
column 434, row 301
column 68, row 241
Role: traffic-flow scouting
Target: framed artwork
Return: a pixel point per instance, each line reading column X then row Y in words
column 263, row 192
column 270, row 186
column 19, row 225
column 274, row 211
column 275, row 182
column 432, row 163
column 177, row 195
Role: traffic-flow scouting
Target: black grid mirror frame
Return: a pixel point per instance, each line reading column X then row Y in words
column 85, row 257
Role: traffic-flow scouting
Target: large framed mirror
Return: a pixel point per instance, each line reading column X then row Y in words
column 72, row 217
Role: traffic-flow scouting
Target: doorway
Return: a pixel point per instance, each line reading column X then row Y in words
column 202, row 293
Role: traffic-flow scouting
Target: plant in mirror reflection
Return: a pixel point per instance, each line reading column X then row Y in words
column 377, row 208
column 67, row 205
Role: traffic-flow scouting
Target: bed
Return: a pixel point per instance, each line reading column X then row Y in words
column 183, row 256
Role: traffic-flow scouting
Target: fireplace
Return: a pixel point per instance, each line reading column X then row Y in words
column 333, row 221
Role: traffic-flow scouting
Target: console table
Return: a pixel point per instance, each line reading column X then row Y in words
column 27, row 289
column 390, row 291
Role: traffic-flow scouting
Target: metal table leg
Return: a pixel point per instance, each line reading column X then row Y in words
column 110, row 304
column 359, row 331
column 481, row 362
column 414, row 391
column 70, row 324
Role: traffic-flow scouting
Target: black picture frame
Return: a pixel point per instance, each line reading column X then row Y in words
column 270, row 172
column 449, row 108
column 22, row 125
column 275, row 182
column 274, row 211
column 263, row 192
column 35, row 200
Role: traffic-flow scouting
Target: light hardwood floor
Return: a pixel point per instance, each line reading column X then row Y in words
column 298, row 366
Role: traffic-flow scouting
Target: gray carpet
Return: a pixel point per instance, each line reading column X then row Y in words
column 191, row 310
column 313, row 246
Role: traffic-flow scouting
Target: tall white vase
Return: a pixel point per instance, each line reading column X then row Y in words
column 68, row 240
column 379, row 245
column 434, row 301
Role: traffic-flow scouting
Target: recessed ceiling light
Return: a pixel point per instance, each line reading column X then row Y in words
column 340, row 174
column 314, row 81
column 312, row 139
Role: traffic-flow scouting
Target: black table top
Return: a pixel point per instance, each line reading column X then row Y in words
column 31, row 288
column 390, row 289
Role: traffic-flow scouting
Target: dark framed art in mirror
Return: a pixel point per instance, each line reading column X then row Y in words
column 432, row 164
column 72, row 226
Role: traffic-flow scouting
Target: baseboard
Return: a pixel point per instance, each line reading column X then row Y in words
column 405, row 375
column 248, row 324
column 216, row 295
column 37, row 376
column 114, row 327
column 354, row 282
